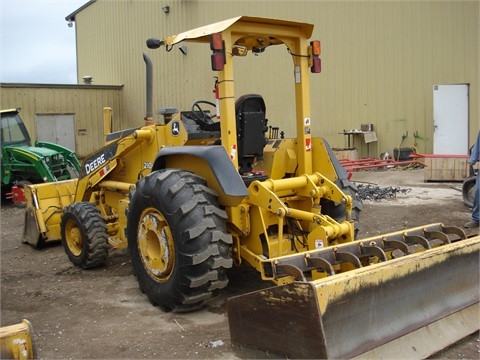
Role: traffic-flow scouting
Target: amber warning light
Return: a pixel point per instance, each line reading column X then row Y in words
column 314, row 53
column 218, row 48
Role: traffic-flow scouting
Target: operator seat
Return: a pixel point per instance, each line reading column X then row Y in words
column 251, row 125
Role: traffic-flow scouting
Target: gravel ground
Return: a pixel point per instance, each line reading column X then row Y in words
column 101, row 313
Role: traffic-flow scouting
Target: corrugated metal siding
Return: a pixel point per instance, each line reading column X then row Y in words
column 380, row 61
column 84, row 102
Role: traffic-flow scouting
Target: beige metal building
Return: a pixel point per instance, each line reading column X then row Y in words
column 381, row 61
column 69, row 115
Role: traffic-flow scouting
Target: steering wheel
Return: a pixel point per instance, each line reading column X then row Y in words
column 203, row 117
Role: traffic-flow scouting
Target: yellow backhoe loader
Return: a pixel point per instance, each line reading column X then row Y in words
column 196, row 195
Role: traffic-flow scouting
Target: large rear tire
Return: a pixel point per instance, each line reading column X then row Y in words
column 84, row 235
column 177, row 240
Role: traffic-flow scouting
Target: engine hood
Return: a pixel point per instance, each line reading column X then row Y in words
column 31, row 151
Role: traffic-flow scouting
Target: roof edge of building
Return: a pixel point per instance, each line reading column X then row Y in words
column 71, row 17
column 60, row 86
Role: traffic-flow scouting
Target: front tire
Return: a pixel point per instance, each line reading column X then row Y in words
column 177, row 240
column 84, row 235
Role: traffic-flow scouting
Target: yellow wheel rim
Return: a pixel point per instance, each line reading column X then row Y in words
column 73, row 237
column 155, row 245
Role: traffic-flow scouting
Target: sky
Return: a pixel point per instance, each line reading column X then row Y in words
column 36, row 44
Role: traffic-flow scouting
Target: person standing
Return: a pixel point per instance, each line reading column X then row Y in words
column 474, row 158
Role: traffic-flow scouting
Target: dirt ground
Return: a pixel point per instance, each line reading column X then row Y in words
column 101, row 314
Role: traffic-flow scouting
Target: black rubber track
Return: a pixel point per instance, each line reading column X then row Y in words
column 93, row 231
column 202, row 246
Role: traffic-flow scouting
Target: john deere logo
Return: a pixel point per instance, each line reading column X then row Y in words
column 175, row 128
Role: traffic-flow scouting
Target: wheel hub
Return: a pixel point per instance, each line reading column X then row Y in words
column 74, row 238
column 155, row 245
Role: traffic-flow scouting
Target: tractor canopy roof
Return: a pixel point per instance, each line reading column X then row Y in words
column 247, row 32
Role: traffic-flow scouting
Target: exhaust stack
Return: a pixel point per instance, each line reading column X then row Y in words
column 149, row 76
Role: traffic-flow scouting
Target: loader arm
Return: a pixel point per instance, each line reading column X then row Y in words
column 98, row 165
column 46, row 202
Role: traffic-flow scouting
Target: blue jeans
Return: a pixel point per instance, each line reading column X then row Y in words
column 475, row 200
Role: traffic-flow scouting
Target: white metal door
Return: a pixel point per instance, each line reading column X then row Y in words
column 450, row 119
column 56, row 128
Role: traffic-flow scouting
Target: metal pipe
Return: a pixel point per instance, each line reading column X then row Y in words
column 116, row 186
column 149, row 76
column 276, row 185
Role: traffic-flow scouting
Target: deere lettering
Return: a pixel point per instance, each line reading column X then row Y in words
column 95, row 164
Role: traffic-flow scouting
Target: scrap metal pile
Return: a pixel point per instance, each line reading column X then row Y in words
column 371, row 163
column 374, row 192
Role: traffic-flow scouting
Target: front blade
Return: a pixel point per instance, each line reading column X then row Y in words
column 282, row 320
column 352, row 313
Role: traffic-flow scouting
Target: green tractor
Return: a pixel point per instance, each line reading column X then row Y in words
column 23, row 164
